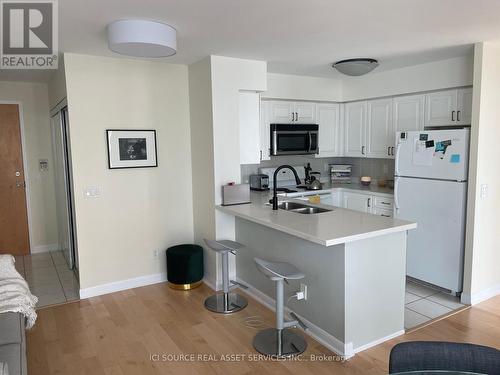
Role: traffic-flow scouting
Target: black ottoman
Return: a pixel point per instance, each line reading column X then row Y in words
column 184, row 266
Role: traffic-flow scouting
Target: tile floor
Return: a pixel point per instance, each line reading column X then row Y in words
column 49, row 277
column 423, row 304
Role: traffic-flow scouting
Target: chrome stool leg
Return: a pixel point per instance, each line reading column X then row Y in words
column 226, row 302
column 279, row 341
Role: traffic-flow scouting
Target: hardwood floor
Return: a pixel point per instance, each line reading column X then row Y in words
column 117, row 334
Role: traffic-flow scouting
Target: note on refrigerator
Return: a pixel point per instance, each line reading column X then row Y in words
column 422, row 155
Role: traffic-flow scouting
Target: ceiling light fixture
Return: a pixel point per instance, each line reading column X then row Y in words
column 141, row 38
column 355, row 67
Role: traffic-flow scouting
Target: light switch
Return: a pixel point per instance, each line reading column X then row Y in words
column 92, row 192
column 484, row 191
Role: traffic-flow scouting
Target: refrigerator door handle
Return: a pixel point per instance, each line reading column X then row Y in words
column 396, row 163
column 396, row 200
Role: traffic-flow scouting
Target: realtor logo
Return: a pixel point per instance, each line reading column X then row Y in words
column 28, row 34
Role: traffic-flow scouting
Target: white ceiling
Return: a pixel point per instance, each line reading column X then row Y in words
column 294, row 36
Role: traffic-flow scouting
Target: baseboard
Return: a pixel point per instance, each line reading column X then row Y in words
column 379, row 341
column 320, row 335
column 45, row 248
column 483, row 295
column 117, row 286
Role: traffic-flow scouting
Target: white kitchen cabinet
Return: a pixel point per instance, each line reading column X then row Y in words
column 448, row 108
column 281, row 112
column 305, row 113
column 265, row 131
column 330, row 130
column 287, row 112
column 408, row 113
column 249, row 127
column 379, row 129
column 382, row 212
column 355, row 129
column 464, row 106
column 357, row 202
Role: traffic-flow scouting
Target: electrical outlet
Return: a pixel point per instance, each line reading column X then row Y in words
column 303, row 290
column 156, row 253
column 484, row 191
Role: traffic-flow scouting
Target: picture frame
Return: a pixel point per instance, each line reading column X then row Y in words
column 131, row 148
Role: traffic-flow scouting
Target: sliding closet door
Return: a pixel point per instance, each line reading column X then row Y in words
column 61, row 189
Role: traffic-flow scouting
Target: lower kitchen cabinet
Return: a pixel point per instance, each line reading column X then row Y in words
column 356, row 202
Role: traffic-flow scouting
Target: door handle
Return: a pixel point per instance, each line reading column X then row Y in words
column 452, row 115
column 458, row 115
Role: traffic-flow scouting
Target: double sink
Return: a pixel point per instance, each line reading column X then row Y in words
column 301, row 208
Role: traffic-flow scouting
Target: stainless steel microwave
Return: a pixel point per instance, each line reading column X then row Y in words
column 294, row 139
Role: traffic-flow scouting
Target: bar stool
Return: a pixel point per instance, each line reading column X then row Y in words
column 280, row 341
column 226, row 302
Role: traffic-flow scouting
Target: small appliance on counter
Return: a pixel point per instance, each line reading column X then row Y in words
column 365, row 180
column 259, row 182
column 340, row 173
column 233, row 194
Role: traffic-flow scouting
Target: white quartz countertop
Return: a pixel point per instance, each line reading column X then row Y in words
column 329, row 228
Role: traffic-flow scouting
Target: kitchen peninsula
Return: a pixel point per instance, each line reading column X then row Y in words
column 354, row 262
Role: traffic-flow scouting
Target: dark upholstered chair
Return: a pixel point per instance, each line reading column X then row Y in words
column 433, row 355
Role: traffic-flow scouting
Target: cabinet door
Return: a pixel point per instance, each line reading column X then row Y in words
column 408, row 113
column 249, row 127
column 441, row 108
column 305, row 113
column 357, row 202
column 265, row 130
column 379, row 129
column 464, row 108
column 328, row 119
column 354, row 129
column 280, row 112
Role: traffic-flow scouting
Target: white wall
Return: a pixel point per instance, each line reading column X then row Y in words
column 35, row 107
column 140, row 210
column 202, row 156
column 57, row 85
column 287, row 86
column 482, row 259
column 436, row 75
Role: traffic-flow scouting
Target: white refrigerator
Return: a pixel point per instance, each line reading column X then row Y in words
column 430, row 188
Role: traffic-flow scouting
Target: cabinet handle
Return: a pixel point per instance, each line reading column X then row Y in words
column 384, row 215
column 296, row 116
column 392, row 151
column 458, row 115
column 362, row 150
column 385, row 202
column 369, row 202
column 260, row 155
column 452, row 115
column 388, row 151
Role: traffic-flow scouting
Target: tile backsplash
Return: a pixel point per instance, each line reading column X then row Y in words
column 376, row 168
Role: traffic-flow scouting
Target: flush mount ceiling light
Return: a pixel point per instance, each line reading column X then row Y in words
column 141, row 38
column 355, row 67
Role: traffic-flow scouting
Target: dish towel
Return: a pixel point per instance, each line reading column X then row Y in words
column 15, row 295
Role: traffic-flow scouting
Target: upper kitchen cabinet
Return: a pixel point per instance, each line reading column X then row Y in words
column 448, row 108
column 249, row 128
column 330, row 130
column 265, row 131
column 355, row 129
column 408, row 113
column 285, row 112
column 379, row 129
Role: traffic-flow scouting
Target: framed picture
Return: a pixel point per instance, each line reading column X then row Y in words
column 131, row 148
